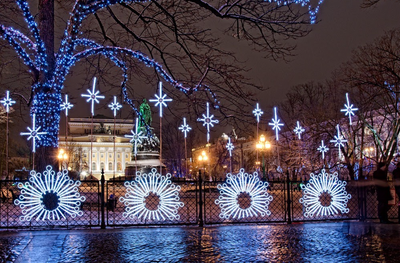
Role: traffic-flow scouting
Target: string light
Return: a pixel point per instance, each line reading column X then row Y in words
column 184, row 127
column 276, row 125
column 258, row 112
column 136, row 136
column 160, row 100
column 208, row 121
column 93, row 95
column 33, row 133
column 339, row 140
column 349, row 110
column 299, row 130
column 7, row 101
column 230, row 147
column 115, row 106
column 322, row 149
column 66, row 105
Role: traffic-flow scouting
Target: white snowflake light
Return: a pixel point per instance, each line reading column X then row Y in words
column 230, row 147
column 7, row 101
column 33, row 133
column 184, row 127
column 136, row 136
column 299, row 130
column 326, row 186
column 242, row 186
column 208, row 121
column 322, row 149
column 160, row 99
column 339, row 140
column 258, row 112
column 49, row 196
column 165, row 197
column 349, row 110
column 93, row 95
column 115, row 106
column 276, row 125
column 66, row 105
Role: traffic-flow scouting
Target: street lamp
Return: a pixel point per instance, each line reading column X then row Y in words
column 263, row 145
column 62, row 157
column 203, row 159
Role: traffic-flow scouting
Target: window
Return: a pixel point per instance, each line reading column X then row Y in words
column 94, row 155
column 102, row 166
column 102, row 155
column 93, row 166
column 119, row 167
column 119, row 156
column 126, row 156
column 110, row 166
column 110, row 156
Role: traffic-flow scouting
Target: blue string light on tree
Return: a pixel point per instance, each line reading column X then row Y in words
column 93, row 95
column 185, row 128
column 349, row 110
column 115, row 106
column 208, row 121
column 299, row 130
column 322, row 149
column 276, row 124
column 33, row 133
column 339, row 140
column 7, row 101
column 312, row 10
column 136, row 137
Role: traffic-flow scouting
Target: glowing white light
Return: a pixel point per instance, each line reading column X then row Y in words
column 49, row 196
column 324, row 184
column 275, row 124
column 184, row 127
column 230, row 146
column 93, row 95
column 339, row 140
column 208, row 121
column 153, row 183
column 66, row 105
column 160, row 99
column 349, row 110
column 258, row 112
column 115, row 106
column 33, row 133
column 322, row 149
column 7, row 101
column 136, row 136
column 238, row 185
column 299, row 130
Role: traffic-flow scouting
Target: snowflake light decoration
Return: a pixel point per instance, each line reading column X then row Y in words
column 258, row 112
column 7, row 101
column 33, row 133
column 160, row 99
column 136, row 136
column 230, row 147
column 339, row 140
column 349, row 110
column 93, row 95
column 243, row 185
column 184, row 127
column 332, row 188
column 276, row 125
column 208, row 121
column 66, row 105
column 322, row 149
column 115, row 106
column 49, row 196
column 299, row 130
column 152, row 185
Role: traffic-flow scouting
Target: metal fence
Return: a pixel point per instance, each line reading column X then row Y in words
column 193, row 202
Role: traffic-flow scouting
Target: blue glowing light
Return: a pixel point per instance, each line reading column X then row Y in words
column 339, row 140
column 349, row 110
column 66, row 105
column 160, row 99
column 258, row 112
column 322, row 149
column 7, row 101
column 276, row 124
column 115, row 106
column 208, row 121
column 93, row 95
column 230, row 147
column 184, row 127
column 33, row 133
column 136, row 136
column 299, row 130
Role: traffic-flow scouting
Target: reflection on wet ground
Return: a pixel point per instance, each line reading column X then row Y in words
column 310, row 242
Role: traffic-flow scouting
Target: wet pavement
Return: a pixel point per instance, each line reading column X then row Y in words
column 306, row 242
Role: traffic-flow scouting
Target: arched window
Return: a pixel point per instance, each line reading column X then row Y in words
column 110, row 166
column 119, row 167
column 102, row 166
column 94, row 166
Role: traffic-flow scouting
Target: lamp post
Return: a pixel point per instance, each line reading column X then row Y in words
column 62, row 157
column 263, row 145
column 203, row 158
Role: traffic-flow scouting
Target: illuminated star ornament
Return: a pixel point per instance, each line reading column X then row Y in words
column 349, row 110
column 66, row 105
column 299, row 130
column 152, row 197
column 276, row 125
column 230, row 147
column 33, row 133
column 236, row 190
column 339, row 140
column 49, row 196
column 208, row 121
column 322, row 149
column 258, row 112
column 136, row 136
column 324, row 195
column 7, row 101
column 93, row 95
column 160, row 99
column 184, row 127
column 115, row 106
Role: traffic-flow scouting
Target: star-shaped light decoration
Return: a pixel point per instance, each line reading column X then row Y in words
column 322, row 149
column 93, row 95
column 299, row 130
column 276, row 125
column 208, row 121
column 230, row 147
column 258, row 112
column 33, row 133
column 339, row 140
column 7, row 101
column 160, row 99
column 349, row 110
column 66, row 105
column 115, row 106
column 184, row 127
column 136, row 136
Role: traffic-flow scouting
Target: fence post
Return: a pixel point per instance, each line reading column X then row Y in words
column 200, row 222
column 288, row 198
column 102, row 181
